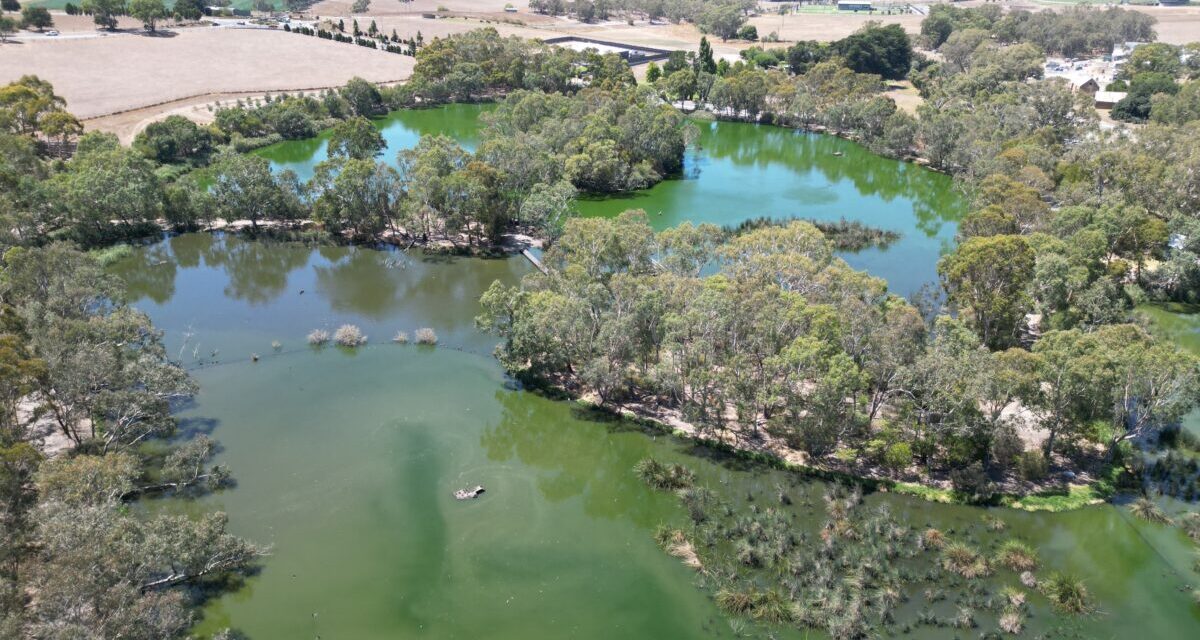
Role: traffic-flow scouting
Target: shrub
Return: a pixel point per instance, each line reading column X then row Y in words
column 971, row 481
column 318, row 337
column 1032, row 466
column 426, row 335
column 898, row 456
column 401, row 337
column 1007, row 446
column 349, row 335
column 1017, row 555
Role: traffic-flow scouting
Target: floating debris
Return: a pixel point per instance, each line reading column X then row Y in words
column 468, row 494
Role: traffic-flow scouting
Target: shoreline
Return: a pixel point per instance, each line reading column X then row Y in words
column 1046, row 498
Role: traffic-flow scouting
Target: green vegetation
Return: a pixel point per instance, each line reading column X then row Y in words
column 83, row 369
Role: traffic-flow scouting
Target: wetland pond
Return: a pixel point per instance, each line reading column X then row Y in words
column 345, row 461
column 734, row 172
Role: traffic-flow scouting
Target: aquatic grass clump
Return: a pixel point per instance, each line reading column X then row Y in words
column 676, row 544
column 1145, row 509
column 668, row 477
column 1017, row 555
column 318, row 337
column 768, row 605
column 1066, row 592
column 964, row 560
column 349, row 335
column 932, row 539
column 401, row 337
column 426, row 336
column 698, row 500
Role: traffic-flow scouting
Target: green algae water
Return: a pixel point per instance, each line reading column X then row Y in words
column 345, row 462
column 736, row 172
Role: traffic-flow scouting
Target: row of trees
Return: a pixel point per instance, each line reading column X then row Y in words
column 722, row 18
column 1068, row 32
column 82, row 369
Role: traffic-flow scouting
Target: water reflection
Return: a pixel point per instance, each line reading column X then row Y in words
column 258, row 271
column 150, row 273
column 595, row 465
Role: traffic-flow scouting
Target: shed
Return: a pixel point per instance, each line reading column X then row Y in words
column 855, row 5
column 1108, row 99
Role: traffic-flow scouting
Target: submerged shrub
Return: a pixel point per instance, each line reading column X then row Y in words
column 1144, row 509
column 349, row 335
column 1191, row 526
column 1011, row 621
column 664, row 476
column 1066, row 592
column 401, row 337
column 318, row 337
column 1017, row 555
column 426, row 335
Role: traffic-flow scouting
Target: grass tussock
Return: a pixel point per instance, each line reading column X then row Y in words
column 668, row 477
column 964, row 560
column 349, row 335
column 318, row 337
column 933, row 539
column 426, row 336
column 1067, row 593
column 767, row 605
column 1017, row 555
column 401, row 337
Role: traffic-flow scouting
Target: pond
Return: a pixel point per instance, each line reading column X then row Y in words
column 738, row 171
column 345, row 462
